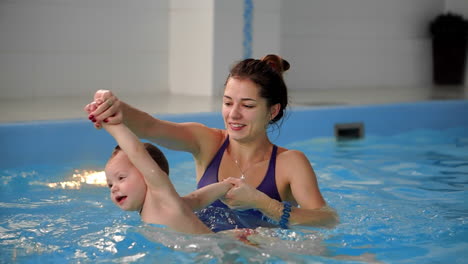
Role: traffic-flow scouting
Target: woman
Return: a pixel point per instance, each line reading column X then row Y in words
column 269, row 178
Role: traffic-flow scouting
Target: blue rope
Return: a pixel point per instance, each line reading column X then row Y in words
column 248, row 17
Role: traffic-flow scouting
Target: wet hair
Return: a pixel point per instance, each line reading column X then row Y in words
column 267, row 73
column 154, row 152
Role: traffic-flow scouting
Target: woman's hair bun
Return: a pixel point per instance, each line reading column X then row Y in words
column 276, row 62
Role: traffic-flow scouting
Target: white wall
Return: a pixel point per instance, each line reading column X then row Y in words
column 74, row 47
column 358, row 43
column 206, row 39
column 458, row 6
column 228, row 48
column 56, row 47
column 191, row 27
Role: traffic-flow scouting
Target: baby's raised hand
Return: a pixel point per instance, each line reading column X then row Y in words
column 105, row 108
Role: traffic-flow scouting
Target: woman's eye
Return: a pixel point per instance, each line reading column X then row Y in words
column 227, row 103
column 249, row 106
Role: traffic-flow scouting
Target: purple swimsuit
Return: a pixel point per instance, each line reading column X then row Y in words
column 267, row 186
column 251, row 218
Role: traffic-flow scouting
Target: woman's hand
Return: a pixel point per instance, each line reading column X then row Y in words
column 242, row 196
column 106, row 108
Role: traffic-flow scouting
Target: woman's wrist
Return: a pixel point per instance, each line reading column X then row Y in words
column 263, row 203
column 284, row 220
column 278, row 212
column 124, row 109
column 271, row 207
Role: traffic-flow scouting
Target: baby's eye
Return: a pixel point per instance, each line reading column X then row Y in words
column 121, row 178
column 110, row 186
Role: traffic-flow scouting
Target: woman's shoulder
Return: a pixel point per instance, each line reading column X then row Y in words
column 293, row 166
column 200, row 128
column 289, row 153
column 291, row 157
column 210, row 142
column 204, row 134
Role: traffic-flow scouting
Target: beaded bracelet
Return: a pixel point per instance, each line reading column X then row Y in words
column 283, row 223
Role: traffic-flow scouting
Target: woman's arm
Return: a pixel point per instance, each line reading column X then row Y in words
column 303, row 191
column 243, row 196
column 324, row 216
column 189, row 137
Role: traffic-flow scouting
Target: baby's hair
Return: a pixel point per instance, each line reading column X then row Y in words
column 154, row 152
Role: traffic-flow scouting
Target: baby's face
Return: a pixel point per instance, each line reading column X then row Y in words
column 126, row 184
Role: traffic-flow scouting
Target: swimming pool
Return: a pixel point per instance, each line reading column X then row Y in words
column 400, row 192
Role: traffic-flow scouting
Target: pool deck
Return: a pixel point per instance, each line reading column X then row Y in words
column 58, row 108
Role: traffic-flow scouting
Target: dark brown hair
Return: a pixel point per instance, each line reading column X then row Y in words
column 154, row 152
column 267, row 73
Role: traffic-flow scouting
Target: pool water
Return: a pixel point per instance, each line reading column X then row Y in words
column 401, row 198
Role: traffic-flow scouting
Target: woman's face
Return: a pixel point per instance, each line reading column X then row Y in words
column 245, row 113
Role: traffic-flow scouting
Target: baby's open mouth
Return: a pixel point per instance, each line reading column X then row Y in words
column 120, row 198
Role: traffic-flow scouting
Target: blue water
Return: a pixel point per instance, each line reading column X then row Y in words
column 401, row 199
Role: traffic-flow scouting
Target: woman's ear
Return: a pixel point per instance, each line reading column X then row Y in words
column 274, row 110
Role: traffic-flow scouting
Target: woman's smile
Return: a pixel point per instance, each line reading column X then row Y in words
column 236, row 126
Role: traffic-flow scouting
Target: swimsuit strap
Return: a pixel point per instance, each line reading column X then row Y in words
column 268, row 185
column 211, row 173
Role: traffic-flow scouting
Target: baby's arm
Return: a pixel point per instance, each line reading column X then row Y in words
column 155, row 178
column 162, row 205
column 203, row 197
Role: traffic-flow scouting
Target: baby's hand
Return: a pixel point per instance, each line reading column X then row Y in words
column 91, row 107
column 234, row 181
column 241, row 195
column 105, row 108
column 227, row 185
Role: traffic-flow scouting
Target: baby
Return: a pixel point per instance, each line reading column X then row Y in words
column 137, row 176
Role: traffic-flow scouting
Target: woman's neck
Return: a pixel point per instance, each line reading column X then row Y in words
column 250, row 152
